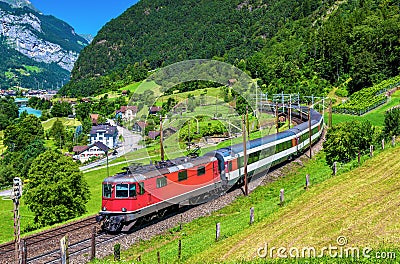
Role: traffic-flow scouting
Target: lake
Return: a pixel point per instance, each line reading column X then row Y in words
column 30, row 110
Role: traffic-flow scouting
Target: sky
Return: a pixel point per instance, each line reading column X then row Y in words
column 85, row 16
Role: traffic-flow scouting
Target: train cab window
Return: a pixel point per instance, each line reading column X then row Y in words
column 107, row 190
column 132, row 190
column 141, row 188
column 161, row 182
column 121, row 190
column 201, row 170
column 182, row 175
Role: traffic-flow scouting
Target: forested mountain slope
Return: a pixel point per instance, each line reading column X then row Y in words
column 299, row 46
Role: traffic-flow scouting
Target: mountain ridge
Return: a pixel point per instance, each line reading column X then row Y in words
column 41, row 38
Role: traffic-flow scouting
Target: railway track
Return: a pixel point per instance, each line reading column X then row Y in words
column 74, row 249
column 48, row 240
column 44, row 247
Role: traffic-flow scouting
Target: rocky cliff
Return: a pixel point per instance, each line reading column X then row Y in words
column 44, row 40
column 26, row 31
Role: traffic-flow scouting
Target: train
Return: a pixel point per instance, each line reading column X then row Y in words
column 143, row 192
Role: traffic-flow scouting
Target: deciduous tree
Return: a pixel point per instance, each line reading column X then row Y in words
column 345, row 140
column 18, row 136
column 392, row 123
column 57, row 190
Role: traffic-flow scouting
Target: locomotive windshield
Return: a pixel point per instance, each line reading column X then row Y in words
column 121, row 191
column 107, row 190
column 125, row 190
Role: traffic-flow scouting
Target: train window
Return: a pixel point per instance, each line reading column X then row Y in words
column 121, row 191
column 141, row 188
column 230, row 166
column 241, row 162
column 182, row 175
column 161, row 182
column 254, row 157
column 132, row 190
column 107, row 190
column 201, row 170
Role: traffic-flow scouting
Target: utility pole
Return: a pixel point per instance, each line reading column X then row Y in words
column 247, row 122
column 16, row 195
column 277, row 118
column 161, row 140
column 290, row 110
column 246, row 192
column 108, row 173
column 309, row 128
column 330, row 114
column 189, row 141
column 216, row 103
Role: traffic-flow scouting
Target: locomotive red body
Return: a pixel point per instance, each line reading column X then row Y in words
column 145, row 190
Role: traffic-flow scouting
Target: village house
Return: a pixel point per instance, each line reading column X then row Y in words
column 84, row 153
column 153, row 134
column 127, row 113
column 105, row 134
column 139, row 126
column 154, row 110
column 94, row 118
column 169, row 131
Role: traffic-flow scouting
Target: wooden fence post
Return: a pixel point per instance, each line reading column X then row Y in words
column 251, row 215
column 383, row 144
column 371, row 150
column 282, row 197
column 158, row 257
column 334, row 168
column 307, row 181
column 117, row 251
column 179, row 249
column 93, row 248
column 393, row 141
column 64, row 250
column 217, row 231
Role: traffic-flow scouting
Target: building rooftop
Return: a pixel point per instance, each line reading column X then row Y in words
column 106, row 129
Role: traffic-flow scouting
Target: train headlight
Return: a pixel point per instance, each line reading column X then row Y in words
column 123, row 209
column 104, row 208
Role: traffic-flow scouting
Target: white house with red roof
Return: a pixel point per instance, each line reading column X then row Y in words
column 127, row 113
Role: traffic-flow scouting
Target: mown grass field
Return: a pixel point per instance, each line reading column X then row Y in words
column 67, row 122
column 362, row 205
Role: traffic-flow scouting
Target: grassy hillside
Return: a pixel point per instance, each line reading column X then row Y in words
column 361, row 205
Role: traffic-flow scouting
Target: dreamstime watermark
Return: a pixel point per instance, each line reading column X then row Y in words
column 339, row 250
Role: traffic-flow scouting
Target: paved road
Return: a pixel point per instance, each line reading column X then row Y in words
column 130, row 140
column 129, row 143
column 5, row 193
